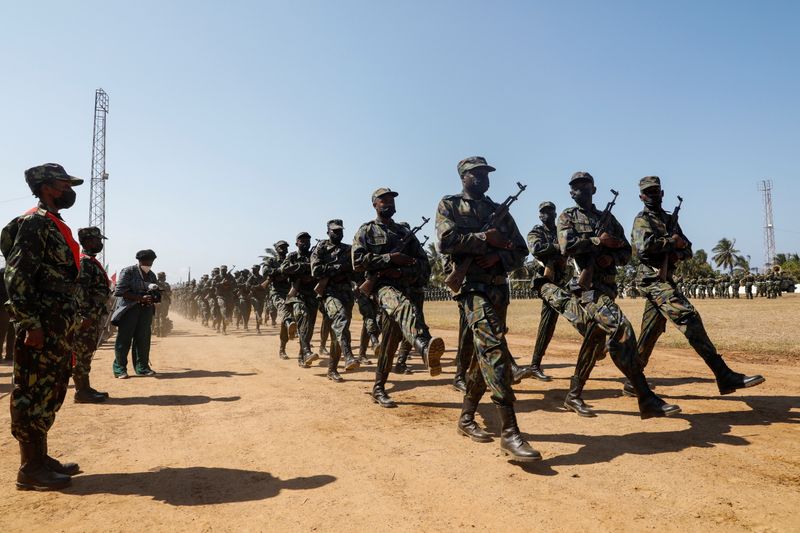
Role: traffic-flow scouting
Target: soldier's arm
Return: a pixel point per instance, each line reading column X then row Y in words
column 320, row 268
column 685, row 253
column 363, row 258
column 22, row 267
column 289, row 267
column 540, row 246
column 647, row 240
column 86, row 297
column 450, row 240
column 621, row 255
column 515, row 257
column 570, row 241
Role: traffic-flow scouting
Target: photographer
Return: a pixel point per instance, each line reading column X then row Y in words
column 136, row 292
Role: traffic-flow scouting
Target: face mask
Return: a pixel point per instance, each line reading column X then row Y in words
column 304, row 248
column 335, row 237
column 66, row 200
column 477, row 185
column 548, row 218
column 653, row 202
column 95, row 249
column 145, row 269
column 582, row 197
column 387, row 211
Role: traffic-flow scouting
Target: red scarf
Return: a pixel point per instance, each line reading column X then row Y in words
column 65, row 232
column 94, row 260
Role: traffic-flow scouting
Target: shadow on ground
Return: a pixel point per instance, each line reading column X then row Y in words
column 168, row 400
column 195, row 485
column 201, row 374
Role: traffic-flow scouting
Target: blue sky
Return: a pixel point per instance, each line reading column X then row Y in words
column 235, row 124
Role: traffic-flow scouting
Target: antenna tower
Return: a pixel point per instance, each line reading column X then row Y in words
column 97, row 193
column 765, row 186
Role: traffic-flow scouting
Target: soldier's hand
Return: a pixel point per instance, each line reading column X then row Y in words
column 609, row 241
column 604, row 260
column 497, row 239
column 487, row 261
column 35, row 338
column 680, row 244
column 401, row 259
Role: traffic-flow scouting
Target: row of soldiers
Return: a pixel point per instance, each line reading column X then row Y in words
column 482, row 246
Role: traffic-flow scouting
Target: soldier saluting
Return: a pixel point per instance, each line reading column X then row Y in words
column 41, row 276
column 483, row 296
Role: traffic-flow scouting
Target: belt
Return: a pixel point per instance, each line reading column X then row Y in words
column 60, row 287
column 500, row 279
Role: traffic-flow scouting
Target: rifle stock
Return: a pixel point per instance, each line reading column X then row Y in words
column 371, row 280
column 587, row 272
column 663, row 272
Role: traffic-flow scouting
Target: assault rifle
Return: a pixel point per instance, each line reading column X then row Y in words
column 663, row 272
column 368, row 286
column 456, row 278
column 587, row 272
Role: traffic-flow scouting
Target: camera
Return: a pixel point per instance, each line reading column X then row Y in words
column 155, row 292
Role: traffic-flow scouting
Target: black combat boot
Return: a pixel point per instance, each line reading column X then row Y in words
column 301, row 362
column 350, row 362
column 459, row 383
column 83, row 394
column 628, row 390
column 467, row 425
column 66, row 469
column 282, row 353
column 33, row 474
column 379, row 395
column 650, row 405
column 574, row 402
column 518, row 373
column 323, row 350
column 431, row 350
column 400, row 367
column 333, row 363
column 309, row 357
column 729, row 381
column 92, row 390
column 536, row 369
column 511, row 442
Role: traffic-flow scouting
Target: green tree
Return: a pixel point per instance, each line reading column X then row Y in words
column 437, row 267
column 270, row 253
column 696, row 267
column 726, row 256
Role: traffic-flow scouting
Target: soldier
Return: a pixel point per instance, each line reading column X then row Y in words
column 6, row 327
column 224, row 285
column 278, row 290
column 243, row 298
column 332, row 266
column 598, row 317
column 258, row 294
column 94, row 291
column 376, row 250
column 748, row 286
column 202, row 300
column 656, row 246
column 162, row 322
column 550, row 264
column 302, row 298
column 484, row 297
column 42, row 265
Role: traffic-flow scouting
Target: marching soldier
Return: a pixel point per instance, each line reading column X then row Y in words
column 302, row 298
column 258, row 293
column 278, row 291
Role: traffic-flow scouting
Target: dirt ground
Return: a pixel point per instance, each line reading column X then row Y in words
column 227, row 437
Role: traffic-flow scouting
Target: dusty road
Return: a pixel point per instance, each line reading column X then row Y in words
column 229, row 437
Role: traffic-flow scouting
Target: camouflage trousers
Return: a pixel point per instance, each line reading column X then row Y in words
column 337, row 306
column 41, row 377
column 226, row 305
column 324, row 327
column 304, row 312
column 547, row 326
column 205, row 310
column 403, row 320
column 666, row 302
column 84, row 347
column 484, row 339
column 271, row 309
column 244, row 310
column 285, row 315
column 418, row 297
column 369, row 317
column 258, row 307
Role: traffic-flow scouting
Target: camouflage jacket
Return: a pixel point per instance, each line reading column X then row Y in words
column 255, row 281
column 93, row 292
column 652, row 243
column 577, row 239
column 297, row 268
column 332, row 261
column 41, row 275
column 224, row 285
column 459, row 223
column 543, row 244
column 166, row 292
column 375, row 241
column 278, row 281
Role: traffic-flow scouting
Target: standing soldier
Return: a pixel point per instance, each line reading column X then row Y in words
column 392, row 257
column 484, row 297
column 42, row 265
column 332, row 267
column 93, row 293
column 748, row 286
column 597, row 251
column 278, row 290
column 162, row 322
column 258, row 293
column 202, row 300
column 661, row 244
column 551, row 266
column 302, row 298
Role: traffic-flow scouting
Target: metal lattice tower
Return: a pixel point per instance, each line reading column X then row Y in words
column 765, row 186
column 97, row 193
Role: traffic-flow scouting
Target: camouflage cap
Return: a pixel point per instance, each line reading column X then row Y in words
column 336, row 223
column 48, row 172
column 281, row 243
column 88, row 233
column 649, row 181
column 381, row 192
column 303, row 235
column 546, row 205
column 255, row 267
column 162, row 274
column 581, row 176
column 225, row 267
column 473, row 162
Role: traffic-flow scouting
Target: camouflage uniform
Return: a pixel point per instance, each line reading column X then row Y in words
column 369, row 317
column 402, row 319
column 279, row 287
column 161, row 320
column 332, row 262
column 297, row 268
column 244, row 298
column 224, row 285
column 258, row 294
column 653, row 244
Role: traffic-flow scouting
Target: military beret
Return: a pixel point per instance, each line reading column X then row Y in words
column 303, row 235
column 280, row 243
column 473, row 162
column 48, row 172
column 336, row 223
column 581, row 176
column 381, row 192
column 145, row 255
column 545, row 205
column 649, row 181
column 87, row 233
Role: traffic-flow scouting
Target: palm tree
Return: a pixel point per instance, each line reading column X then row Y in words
column 270, row 253
column 725, row 254
column 437, row 266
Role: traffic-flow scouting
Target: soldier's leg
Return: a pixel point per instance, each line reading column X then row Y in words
column 302, row 317
column 592, row 348
column 465, row 354
column 339, row 311
column 283, row 315
column 547, row 326
column 5, row 327
column 324, row 331
column 391, row 335
column 474, row 387
column 653, row 325
column 84, row 346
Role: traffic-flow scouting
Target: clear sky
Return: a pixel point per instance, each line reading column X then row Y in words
column 235, row 124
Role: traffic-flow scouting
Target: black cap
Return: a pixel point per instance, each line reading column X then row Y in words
column 145, row 255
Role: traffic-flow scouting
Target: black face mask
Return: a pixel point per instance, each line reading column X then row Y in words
column 476, row 185
column 94, row 250
column 66, row 200
column 548, row 218
column 387, row 211
column 335, row 237
column 304, row 248
column 582, row 197
column 653, row 202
